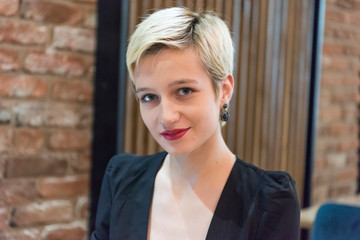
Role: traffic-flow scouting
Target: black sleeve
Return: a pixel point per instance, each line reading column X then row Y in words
column 279, row 208
column 102, row 222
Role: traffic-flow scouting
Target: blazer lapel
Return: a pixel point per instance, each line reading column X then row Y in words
column 233, row 206
column 223, row 219
column 131, row 216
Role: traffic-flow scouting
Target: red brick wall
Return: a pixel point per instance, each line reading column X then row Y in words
column 336, row 161
column 46, row 91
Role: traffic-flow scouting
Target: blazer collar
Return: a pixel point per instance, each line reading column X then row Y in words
column 132, row 218
column 137, row 204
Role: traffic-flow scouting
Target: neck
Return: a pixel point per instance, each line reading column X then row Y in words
column 204, row 162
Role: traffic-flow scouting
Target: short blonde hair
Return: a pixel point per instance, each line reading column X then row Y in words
column 181, row 28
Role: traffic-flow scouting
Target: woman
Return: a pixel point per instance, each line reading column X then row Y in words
column 180, row 63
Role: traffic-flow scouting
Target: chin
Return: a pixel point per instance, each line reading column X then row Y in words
column 176, row 149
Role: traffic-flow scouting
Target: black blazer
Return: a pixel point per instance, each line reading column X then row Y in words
column 254, row 205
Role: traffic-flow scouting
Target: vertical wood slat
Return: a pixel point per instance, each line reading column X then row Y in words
column 293, row 154
column 273, row 80
column 295, row 91
column 287, row 88
column 219, row 6
column 281, row 85
column 265, row 157
column 209, row 4
column 199, row 4
column 241, row 78
column 268, row 109
column 277, row 79
column 260, row 85
column 252, row 59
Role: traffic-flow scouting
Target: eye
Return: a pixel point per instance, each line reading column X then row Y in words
column 149, row 98
column 185, row 91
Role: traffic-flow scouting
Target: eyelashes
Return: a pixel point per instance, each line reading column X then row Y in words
column 149, row 97
column 182, row 92
column 185, row 91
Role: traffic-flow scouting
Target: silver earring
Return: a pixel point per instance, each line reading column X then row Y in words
column 224, row 113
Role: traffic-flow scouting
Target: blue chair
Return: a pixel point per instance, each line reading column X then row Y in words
column 336, row 222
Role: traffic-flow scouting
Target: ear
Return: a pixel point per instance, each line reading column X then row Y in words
column 227, row 89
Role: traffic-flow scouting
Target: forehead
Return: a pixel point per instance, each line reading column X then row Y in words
column 170, row 64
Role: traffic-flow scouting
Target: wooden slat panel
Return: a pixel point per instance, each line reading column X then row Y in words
column 260, row 85
column 251, row 88
column 281, row 86
column 273, row 83
column 228, row 12
column 219, row 6
column 157, row 4
column 242, row 80
column 190, row 4
column 199, row 4
column 277, row 81
column 265, row 157
column 300, row 90
column 287, row 87
column 293, row 154
column 210, row 4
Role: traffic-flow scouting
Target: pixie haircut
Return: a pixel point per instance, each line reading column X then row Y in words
column 181, row 28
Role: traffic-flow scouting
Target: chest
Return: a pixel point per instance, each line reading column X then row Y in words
column 177, row 212
column 137, row 211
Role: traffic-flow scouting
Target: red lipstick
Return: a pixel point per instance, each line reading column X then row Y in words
column 174, row 133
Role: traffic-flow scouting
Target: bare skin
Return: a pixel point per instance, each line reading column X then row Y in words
column 176, row 92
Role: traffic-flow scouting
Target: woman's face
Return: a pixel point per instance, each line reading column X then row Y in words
column 177, row 100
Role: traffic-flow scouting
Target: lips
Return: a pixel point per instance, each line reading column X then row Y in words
column 174, row 133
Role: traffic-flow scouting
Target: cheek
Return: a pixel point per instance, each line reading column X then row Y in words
column 213, row 115
column 207, row 114
column 148, row 117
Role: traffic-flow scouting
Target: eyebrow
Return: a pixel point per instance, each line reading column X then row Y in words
column 182, row 81
column 142, row 90
column 177, row 82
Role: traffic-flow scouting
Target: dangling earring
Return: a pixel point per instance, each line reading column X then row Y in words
column 224, row 114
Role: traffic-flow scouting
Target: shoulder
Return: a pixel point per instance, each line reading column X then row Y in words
column 128, row 161
column 278, row 184
column 271, row 199
column 278, row 196
column 266, row 181
column 246, row 172
column 125, row 164
column 266, row 186
column 125, row 170
column 279, row 207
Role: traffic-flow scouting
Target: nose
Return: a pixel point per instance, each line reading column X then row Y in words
column 169, row 114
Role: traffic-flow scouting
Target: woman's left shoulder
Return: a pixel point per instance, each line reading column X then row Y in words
column 278, row 207
column 278, row 184
column 278, row 196
column 272, row 181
